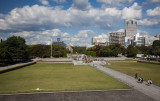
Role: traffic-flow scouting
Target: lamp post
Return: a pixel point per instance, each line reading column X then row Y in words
column 51, row 48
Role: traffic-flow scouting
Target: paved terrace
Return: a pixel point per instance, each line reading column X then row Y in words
column 152, row 91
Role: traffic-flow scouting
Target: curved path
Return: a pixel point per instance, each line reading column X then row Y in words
column 152, row 91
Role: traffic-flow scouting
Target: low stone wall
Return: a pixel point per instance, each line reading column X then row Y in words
column 17, row 67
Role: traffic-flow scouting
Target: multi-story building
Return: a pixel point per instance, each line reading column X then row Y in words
column 58, row 42
column 149, row 40
column 96, row 40
column 158, row 36
column 117, row 37
column 138, row 40
column 99, row 41
column 130, row 28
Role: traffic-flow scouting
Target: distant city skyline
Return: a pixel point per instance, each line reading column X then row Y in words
column 75, row 21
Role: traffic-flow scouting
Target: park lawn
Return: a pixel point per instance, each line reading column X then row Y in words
column 147, row 71
column 58, row 76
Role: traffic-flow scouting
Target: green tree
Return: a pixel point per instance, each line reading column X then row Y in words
column 156, row 48
column 131, row 51
column 16, row 48
column 4, row 54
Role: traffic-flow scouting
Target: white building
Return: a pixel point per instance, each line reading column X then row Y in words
column 149, row 40
column 130, row 30
column 99, row 41
column 138, row 40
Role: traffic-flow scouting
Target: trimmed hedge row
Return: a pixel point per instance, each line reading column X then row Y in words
column 150, row 62
column 16, row 67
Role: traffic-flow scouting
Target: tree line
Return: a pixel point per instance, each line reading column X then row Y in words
column 114, row 50
column 14, row 49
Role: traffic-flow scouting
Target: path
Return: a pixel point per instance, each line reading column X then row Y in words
column 152, row 91
column 109, row 95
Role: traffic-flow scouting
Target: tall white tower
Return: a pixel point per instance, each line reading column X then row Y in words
column 130, row 28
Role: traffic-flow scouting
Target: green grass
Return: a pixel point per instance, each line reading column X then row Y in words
column 57, row 76
column 147, row 71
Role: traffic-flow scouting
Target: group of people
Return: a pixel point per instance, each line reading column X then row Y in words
column 140, row 79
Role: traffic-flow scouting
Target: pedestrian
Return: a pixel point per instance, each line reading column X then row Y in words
column 136, row 76
column 142, row 80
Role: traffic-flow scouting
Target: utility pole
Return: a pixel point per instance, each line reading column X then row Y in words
column 51, row 48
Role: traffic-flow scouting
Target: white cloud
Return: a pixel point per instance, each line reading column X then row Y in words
column 40, row 37
column 113, row 12
column 53, row 32
column 59, row 1
column 81, row 4
column 65, row 34
column 84, row 33
column 143, row 33
column 2, row 15
column 133, row 12
column 104, row 36
column 146, row 22
column 154, row 12
column 120, row 30
column 44, row 2
column 42, row 18
column 115, row 2
column 23, row 34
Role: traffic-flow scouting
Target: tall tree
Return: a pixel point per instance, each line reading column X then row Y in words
column 16, row 48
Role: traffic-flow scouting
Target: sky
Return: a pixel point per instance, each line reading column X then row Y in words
column 75, row 21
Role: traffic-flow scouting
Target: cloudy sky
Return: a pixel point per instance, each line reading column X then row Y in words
column 75, row 21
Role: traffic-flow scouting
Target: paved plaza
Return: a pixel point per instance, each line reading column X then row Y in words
column 110, row 95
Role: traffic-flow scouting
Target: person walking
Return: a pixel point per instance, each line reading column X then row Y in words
column 136, row 76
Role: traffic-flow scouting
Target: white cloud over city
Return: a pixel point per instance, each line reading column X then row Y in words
column 40, row 22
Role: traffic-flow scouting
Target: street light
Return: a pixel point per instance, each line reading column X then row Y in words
column 51, row 48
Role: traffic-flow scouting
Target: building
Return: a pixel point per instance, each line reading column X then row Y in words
column 117, row 37
column 158, row 36
column 138, row 40
column 58, row 42
column 96, row 40
column 130, row 28
column 99, row 41
column 149, row 40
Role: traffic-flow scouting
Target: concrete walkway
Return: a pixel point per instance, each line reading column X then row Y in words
column 152, row 90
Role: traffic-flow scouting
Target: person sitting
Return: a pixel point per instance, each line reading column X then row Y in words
column 149, row 81
column 142, row 80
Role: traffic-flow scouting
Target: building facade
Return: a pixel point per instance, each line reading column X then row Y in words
column 58, row 42
column 149, row 40
column 138, row 40
column 130, row 28
column 117, row 37
column 99, row 41
column 158, row 36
